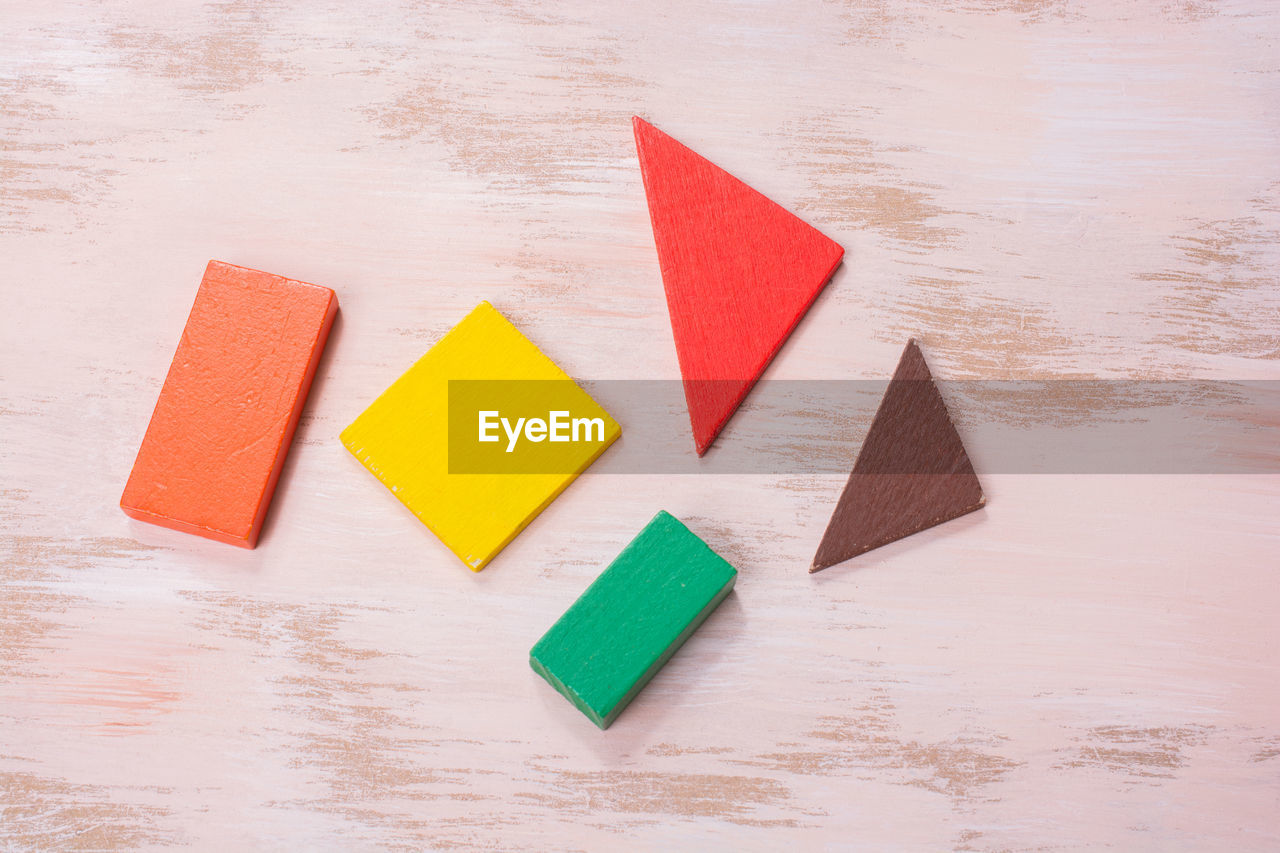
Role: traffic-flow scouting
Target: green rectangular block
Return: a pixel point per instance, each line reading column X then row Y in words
column 631, row 620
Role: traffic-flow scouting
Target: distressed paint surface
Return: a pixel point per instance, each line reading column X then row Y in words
column 1031, row 189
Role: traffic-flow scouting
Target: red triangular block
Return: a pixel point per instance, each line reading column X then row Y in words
column 739, row 271
column 911, row 473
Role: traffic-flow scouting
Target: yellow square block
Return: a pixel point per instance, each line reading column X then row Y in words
column 403, row 438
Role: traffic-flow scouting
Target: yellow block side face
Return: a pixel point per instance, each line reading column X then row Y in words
column 403, row 437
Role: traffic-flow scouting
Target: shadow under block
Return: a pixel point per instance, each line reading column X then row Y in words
column 230, row 404
column 403, row 437
column 739, row 272
column 633, row 618
column 911, row 474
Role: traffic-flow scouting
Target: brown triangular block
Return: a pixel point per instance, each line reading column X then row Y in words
column 911, row 473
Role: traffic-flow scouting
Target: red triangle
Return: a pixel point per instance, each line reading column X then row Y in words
column 739, row 271
column 912, row 472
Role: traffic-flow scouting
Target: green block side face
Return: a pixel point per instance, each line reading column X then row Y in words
column 633, row 618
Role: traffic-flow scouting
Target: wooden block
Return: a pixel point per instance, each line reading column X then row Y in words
column 632, row 619
column 911, row 474
column 739, row 272
column 229, row 406
column 403, row 437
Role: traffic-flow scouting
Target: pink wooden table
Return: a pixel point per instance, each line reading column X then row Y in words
column 1032, row 189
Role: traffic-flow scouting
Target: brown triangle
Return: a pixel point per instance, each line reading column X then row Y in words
column 911, row 473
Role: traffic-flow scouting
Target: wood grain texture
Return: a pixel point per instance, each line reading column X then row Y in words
column 738, row 269
column 230, row 404
column 1030, row 189
column 911, row 473
column 646, row 603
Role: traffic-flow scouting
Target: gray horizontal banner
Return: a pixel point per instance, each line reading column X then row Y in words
column 788, row 427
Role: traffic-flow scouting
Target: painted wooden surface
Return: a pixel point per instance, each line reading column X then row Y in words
column 1031, row 189
column 231, row 401
column 912, row 470
column 405, row 436
column 739, row 272
column 632, row 618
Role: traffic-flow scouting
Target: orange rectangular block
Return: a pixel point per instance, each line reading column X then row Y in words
column 229, row 406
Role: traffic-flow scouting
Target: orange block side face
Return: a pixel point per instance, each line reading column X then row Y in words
column 230, row 404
